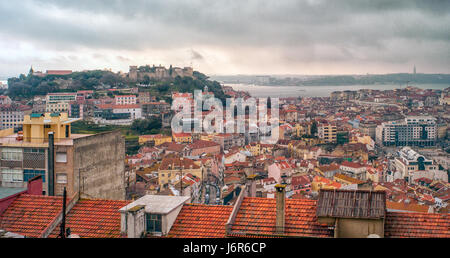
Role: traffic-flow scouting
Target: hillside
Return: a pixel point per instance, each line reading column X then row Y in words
column 28, row 86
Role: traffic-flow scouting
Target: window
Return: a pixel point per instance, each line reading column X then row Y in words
column 61, row 157
column 12, row 154
column 12, row 175
column 61, row 178
column 33, row 150
column 154, row 222
column 30, row 173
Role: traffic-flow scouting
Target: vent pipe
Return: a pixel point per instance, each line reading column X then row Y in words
column 51, row 164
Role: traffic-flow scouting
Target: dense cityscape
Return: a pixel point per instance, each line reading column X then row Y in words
column 356, row 144
column 224, row 128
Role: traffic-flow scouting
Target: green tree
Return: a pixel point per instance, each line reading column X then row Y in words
column 314, row 128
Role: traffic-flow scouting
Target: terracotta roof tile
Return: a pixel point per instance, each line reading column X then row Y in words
column 29, row 215
column 94, row 219
column 409, row 225
column 199, row 220
column 257, row 216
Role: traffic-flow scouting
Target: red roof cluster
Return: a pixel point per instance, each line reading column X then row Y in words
column 30, row 215
column 199, row 220
column 409, row 225
column 257, row 216
column 94, row 219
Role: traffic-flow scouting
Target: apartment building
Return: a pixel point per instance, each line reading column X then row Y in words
column 125, row 99
column 328, row 132
column 11, row 115
column 91, row 164
column 413, row 131
column 228, row 140
column 59, row 102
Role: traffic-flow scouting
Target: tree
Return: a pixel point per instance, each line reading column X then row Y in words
column 314, row 128
column 146, row 126
column 146, row 80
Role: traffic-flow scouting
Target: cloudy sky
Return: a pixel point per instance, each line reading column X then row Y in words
column 227, row 37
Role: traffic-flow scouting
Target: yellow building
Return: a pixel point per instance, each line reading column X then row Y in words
column 182, row 137
column 171, row 169
column 207, row 137
column 158, row 139
column 323, row 183
column 37, row 126
column 57, row 107
column 346, row 180
column 255, row 149
column 304, row 129
column 328, row 133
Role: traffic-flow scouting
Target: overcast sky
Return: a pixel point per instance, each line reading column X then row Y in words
column 227, row 37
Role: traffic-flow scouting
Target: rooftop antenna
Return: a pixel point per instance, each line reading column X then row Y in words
column 62, row 231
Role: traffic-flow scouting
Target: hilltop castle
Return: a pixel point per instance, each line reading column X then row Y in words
column 158, row 72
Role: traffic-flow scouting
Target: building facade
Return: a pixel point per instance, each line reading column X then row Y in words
column 413, row 131
column 89, row 164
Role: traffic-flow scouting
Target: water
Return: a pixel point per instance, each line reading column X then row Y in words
column 318, row 91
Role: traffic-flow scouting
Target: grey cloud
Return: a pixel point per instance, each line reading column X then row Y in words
column 196, row 55
column 356, row 29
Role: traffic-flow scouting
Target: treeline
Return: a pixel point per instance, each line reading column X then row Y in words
column 185, row 84
column 28, row 86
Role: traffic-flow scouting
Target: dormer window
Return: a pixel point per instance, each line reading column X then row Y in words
column 154, row 223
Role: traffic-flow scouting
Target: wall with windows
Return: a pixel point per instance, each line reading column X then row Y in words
column 19, row 165
column 64, row 171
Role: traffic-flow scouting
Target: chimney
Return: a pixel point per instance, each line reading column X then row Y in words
column 251, row 185
column 280, row 196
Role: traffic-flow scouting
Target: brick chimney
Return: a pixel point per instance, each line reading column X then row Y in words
column 280, row 196
column 251, row 185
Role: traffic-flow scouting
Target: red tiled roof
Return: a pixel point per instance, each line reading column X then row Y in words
column 257, row 216
column 411, row 207
column 59, row 72
column 199, row 220
column 29, row 215
column 405, row 224
column 177, row 163
column 351, row 164
column 199, row 144
column 181, row 134
column 94, row 219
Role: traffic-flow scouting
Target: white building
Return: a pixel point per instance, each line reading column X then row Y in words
column 134, row 110
column 125, row 99
column 410, row 162
column 413, row 131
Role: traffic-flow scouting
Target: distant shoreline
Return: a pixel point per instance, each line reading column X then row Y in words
column 319, row 91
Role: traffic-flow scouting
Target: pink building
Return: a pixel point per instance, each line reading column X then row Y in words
column 200, row 147
column 280, row 170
